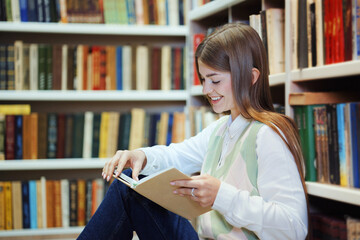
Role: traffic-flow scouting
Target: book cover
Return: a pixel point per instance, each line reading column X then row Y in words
column 65, row 207
column 302, row 35
column 104, row 132
column 142, row 66
column 61, row 128
column 16, row 204
column 321, row 143
column 2, row 136
column 50, row 210
column 178, row 128
column 348, row 141
column 136, row 128
column 34, row 66
column 56, row 70
column 18, row 150
column 78, row 135
column 157, row 188
column 2, row 205
column 341, row 141
column 25, row 203
column 52, row 135
column 57, row 204
column 49, row 68
column 10, row 64
column 33, row 204
column 124, row 131
column 81, row 206
column 333, row 144
column 73, row 202
column 96, row 135
column 197, row 39
column 26, row 136
column 309, row 144
column 113, row 68
column 113, row 135
column 9, row 206
column 88, row 205
column 155, row 68
column 275, row 36
column 166, row 62
column 88, row 134
column 127, row 74
column 3, row 72
column 69, row 128
column 354, row 125
column 39, row 204
column 42, row 67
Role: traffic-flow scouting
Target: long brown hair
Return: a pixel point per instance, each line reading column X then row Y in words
column 237, row 48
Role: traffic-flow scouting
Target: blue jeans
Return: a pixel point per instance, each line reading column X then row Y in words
column 123, row 211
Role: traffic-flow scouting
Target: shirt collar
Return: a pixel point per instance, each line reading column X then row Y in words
column 236, row 126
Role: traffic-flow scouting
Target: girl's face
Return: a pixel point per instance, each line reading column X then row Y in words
column 217, row 87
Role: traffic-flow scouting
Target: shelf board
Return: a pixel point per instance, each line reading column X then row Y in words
column 41, row 232
column 58, row 95
column 334, row 192
column 95, row 29
column 211, row 8
column 277, row 79
column 343, row 69
column 52, row 164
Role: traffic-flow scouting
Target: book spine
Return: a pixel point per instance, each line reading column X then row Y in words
column 25, row 204
column 33, row 204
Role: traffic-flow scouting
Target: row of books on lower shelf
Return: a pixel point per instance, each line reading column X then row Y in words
column 45, row 203
column 327, row 227
column 329, row 136
column 32, row 66
column 87, row 134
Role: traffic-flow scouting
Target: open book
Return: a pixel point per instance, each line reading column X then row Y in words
column 157, row 188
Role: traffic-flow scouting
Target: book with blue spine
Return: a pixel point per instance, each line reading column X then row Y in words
column 119, row 68
column 341, row 140
column 25, row 204
column 33, row 204
column 354, row 143
column 18, row 137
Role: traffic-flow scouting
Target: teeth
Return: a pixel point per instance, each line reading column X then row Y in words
column 216, row 98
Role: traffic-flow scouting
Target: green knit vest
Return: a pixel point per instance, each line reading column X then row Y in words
column 243, row 150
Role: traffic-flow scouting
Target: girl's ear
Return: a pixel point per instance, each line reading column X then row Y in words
column 255, row 75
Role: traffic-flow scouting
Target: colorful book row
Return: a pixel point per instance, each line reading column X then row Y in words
column 324, row 32
column 31, row 66
column 86, row 135
column 46, row 203
column 330, row 141
column 130, row 12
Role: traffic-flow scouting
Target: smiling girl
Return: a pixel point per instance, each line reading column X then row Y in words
column 250, row 161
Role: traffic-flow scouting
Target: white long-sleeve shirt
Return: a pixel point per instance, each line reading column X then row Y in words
column 279, row 212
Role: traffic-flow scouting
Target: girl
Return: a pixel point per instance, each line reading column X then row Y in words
column 250, row 160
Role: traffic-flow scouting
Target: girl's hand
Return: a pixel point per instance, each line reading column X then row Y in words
column 205, row 188
column 135, row 159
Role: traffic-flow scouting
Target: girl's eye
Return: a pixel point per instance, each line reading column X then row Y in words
column 215, row 82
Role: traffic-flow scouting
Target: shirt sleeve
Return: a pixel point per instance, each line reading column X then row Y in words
column 186, row 156
column 280, row 212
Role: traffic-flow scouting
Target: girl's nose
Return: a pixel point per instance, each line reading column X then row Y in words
column 206, row 87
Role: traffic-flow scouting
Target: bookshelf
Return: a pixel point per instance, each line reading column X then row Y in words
column 73, row 101
column 342, row 76
column 199, row 19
